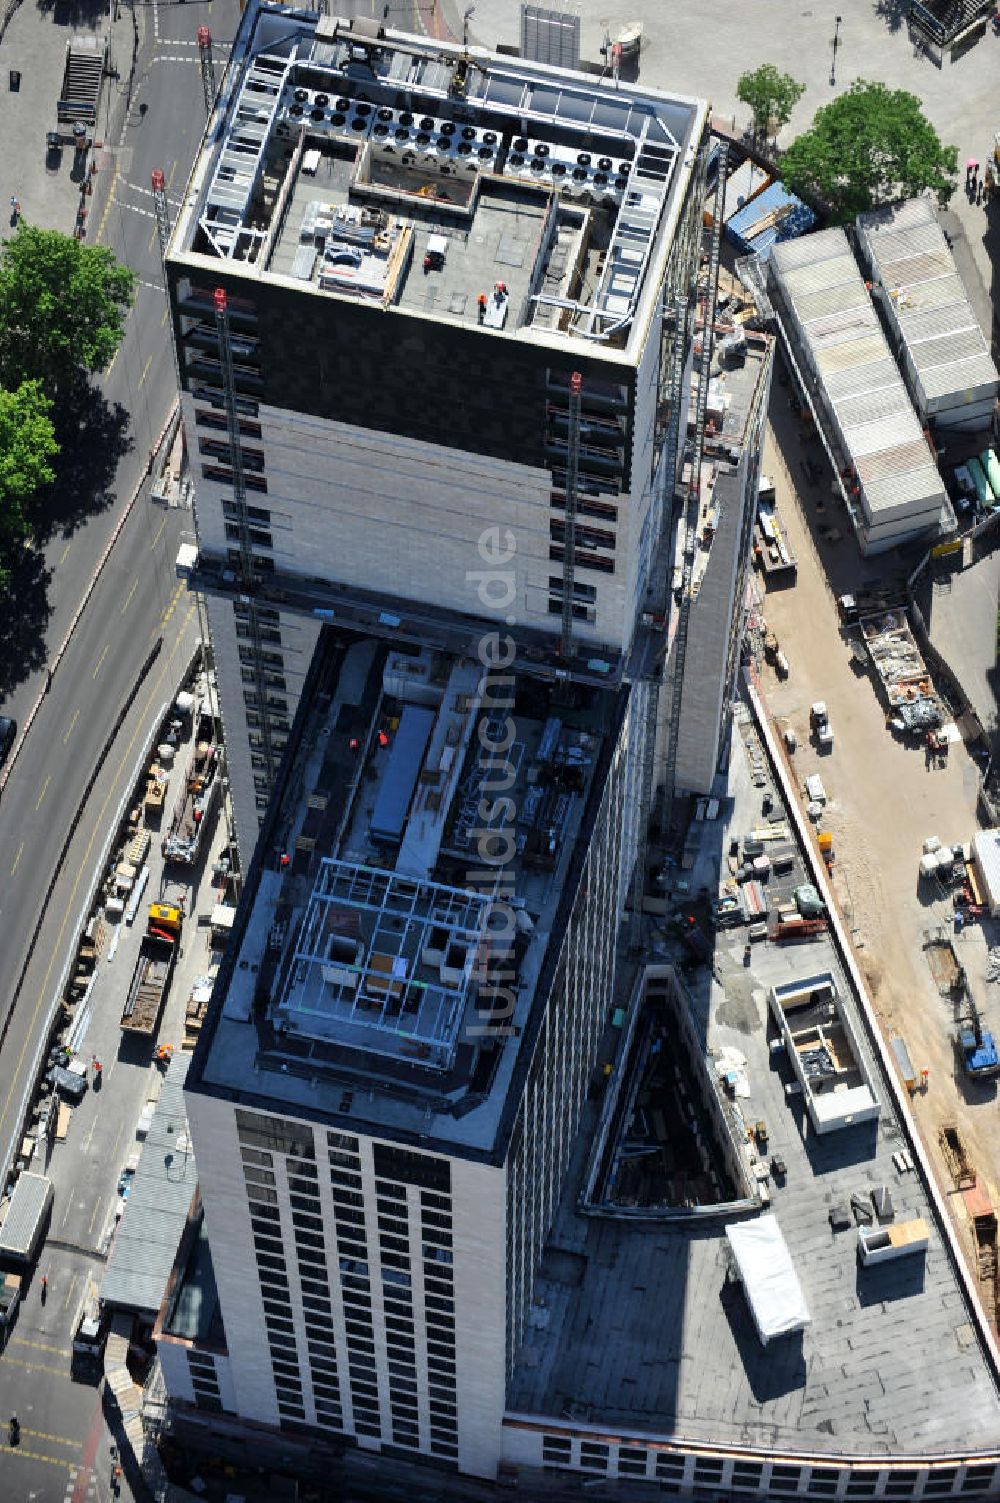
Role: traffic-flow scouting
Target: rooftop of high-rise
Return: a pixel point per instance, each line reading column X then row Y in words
column 352, row 161
column 403, row 918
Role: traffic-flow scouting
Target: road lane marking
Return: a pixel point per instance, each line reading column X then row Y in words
column 37, row 1367
column 175, row 597
column 145, row 372
column 45, row 789
column 163, row 320
column 107, row 207
column 68, row 1466
column 60, row 1440
column 97, row 1203
column 69, row 732
column 69, row 1291
column 159, row 534
column 100, row 660
column 41, row 1346
column 17, row 858
column 62, row 556
column 69, row 905
column 128, row 597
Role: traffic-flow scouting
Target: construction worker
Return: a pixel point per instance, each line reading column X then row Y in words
column 481, row 305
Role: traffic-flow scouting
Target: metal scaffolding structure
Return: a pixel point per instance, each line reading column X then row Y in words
column 246, row 558
column 693, row 501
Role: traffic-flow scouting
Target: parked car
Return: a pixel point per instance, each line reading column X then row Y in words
column 8, row 735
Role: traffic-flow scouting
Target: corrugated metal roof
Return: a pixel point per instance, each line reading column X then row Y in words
column 909, row 242
column 821, row 246
column 873, row 404
column 927, row 303
column 827, row 300
column 980, row 374
column 848, row 352
column 28, row 1200
column 987, row 849
column 830, row 273
column 881, row 375
column 157, row 1208
column 822, row 287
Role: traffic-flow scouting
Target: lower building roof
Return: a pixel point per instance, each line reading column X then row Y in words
column 635, row 1326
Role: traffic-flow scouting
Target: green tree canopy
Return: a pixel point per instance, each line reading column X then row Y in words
column 871, row 146
column 771, row 97
column 27, row 444
column 62, row 307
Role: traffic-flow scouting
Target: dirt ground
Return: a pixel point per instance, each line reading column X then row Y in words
column 884, row 799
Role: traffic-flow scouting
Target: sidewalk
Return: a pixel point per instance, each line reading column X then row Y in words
column 34, row 44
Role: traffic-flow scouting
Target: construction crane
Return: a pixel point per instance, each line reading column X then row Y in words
column 569, row 527
column 207, row 67
column 248, row 580
column 693, row 500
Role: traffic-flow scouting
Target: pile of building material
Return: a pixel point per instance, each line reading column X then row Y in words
column 902, row 673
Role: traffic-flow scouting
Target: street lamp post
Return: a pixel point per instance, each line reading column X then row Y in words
column 836, row 44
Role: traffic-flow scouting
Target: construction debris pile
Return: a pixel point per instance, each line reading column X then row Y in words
column 902, row 672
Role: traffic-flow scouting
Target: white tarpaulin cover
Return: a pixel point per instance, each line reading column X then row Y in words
column 768, row 1277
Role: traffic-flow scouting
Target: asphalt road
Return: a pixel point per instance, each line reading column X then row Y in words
column 137, row 599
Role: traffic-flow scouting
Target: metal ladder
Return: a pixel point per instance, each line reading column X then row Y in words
column 679, row 651
column 569, row 528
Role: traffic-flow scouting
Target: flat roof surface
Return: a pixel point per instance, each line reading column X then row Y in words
column 556, row 183
column 359, row 983
column 834, row 314
column 636, row 1328
column 928, row 302
column 149, row 1233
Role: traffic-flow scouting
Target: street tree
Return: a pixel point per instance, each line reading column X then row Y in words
column 27, row 445
column 62, row 308
column 870, row 146
column 771, row 97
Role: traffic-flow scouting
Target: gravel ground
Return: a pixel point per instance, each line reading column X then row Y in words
column 884, row 799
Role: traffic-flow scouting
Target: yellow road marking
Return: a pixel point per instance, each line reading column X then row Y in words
column 159, row 534
column 76, row 716
column 128, row 597
column 68, row 905
column 69, row 1291
column 38, row 1367
column 62, row 556
column 45, row 789
column 97, row 1203
column 69, row 1466
column 163, row 320
column 17, row 858
column 100, row 660
column 107, row 207
column 152, row 237
column 170, row 608
column 60, row 1440
column 145, row 371
column 41, row 1346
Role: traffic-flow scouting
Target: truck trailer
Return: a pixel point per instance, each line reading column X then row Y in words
column 24, row 1220
column 153, row 969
